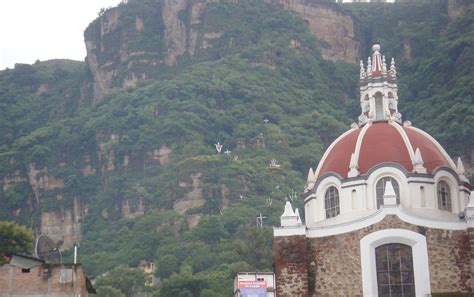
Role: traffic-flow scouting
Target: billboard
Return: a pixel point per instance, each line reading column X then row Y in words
column 253, row 288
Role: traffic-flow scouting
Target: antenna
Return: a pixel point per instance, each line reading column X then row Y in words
column 75, row 254
column 46, row 249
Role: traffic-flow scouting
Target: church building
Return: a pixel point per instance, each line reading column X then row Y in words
column 387, row 211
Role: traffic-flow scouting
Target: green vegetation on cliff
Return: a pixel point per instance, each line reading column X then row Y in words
column 141, row 165
column 14, row 238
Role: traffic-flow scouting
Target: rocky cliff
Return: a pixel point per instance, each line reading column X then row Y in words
column 339, row 30
column 57, row 219
column 126, row 46
column 457, row 7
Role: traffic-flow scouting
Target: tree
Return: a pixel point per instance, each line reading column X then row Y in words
column 127, row 280
column 185, row 285
column 14, row 238
column 210, row 229
column 108, row 291
column 166, row 265
column 256, row 246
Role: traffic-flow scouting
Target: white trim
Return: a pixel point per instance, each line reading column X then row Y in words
column 420, row 179
column 359, row 142
column 289, row 231
column 416, row 241
column 353, row 183
column 321, row 162
column 406, row 140
column 378, row 216
column 438, row 146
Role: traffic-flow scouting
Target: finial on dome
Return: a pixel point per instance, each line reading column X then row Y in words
column 461, row 171
column 389, row 196
column 418, row 162
column 363, row 74
column 289, row 218
column 288, row 210
column 297, row 214
column 460, row 166
column 376, row 61
column 311, row 176
column 369, row 66
column 393, row 69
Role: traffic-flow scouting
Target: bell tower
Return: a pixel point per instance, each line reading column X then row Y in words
column 378, row 90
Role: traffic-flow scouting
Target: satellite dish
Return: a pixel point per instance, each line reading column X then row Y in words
column 46, row 249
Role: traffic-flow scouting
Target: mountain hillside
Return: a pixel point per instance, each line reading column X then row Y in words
column 150, row 39
column 118, row 153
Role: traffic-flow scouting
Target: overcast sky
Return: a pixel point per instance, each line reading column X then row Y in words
column 45, row 29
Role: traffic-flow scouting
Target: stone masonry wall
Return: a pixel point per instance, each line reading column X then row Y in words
column 335, row 260
column 290, row 266
column 471, row 245
column 15, row 282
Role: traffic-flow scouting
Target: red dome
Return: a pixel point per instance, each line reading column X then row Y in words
column 340, row 155
column 382, row 142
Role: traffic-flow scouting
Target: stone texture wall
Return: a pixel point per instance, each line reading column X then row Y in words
column 335, row 260
column 291, row 266
column 471, row 245
column 14, row 282
column 449, row 255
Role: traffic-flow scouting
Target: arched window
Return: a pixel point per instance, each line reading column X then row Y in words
column 380, row 189
column 444, row 196
column 331, row 202
column 379, row 106
column 394, row 264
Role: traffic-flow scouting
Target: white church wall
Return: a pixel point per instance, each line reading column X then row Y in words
column 354, row 196
column 464, row 197
column 418, row 195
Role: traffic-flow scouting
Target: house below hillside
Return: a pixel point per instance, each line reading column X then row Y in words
column 31, row 277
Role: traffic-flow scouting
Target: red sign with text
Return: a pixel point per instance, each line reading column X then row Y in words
column 252, row 285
